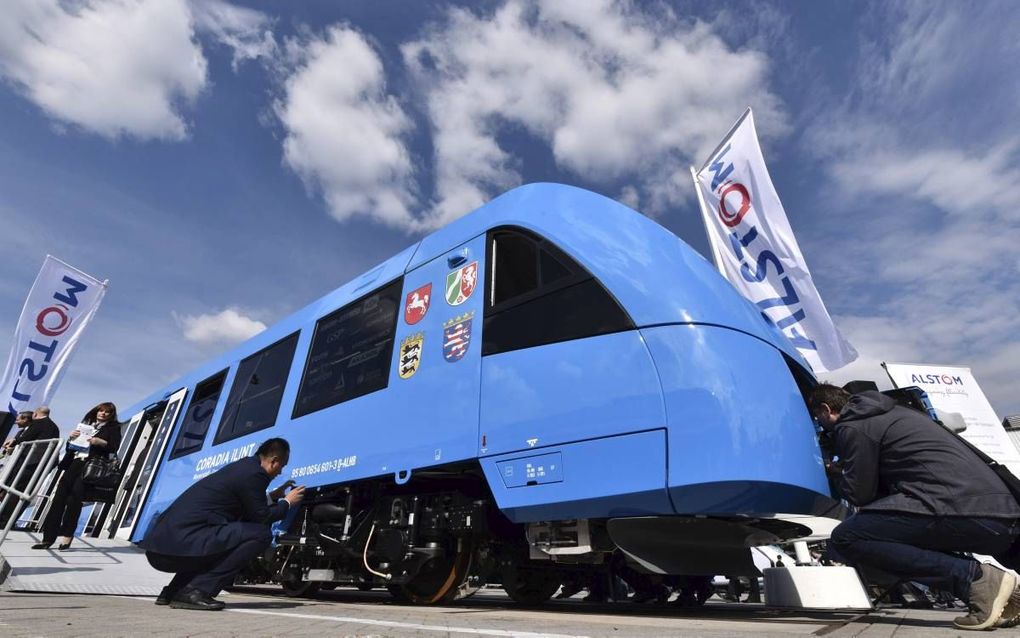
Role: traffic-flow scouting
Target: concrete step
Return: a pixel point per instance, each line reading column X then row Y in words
column 90, row 566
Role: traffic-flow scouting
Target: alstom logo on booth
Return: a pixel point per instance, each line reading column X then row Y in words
column 936, row 379
column 50, row 323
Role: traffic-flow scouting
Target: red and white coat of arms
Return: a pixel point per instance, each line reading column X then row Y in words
column 417, row 304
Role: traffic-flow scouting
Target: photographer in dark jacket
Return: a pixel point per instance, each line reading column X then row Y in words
column 218, row 525
column 921, row 494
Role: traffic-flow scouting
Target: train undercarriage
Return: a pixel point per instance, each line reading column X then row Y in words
column 440, row 537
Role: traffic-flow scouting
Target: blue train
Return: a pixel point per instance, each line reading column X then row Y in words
column 547, row 382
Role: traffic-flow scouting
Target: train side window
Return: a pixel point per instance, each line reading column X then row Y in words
column 351, row 351
column 515, row 258
column 551, row 268
column 199, row 415
column 537, row 295
column 255, row 397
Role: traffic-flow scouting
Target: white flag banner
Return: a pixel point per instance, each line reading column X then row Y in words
column 954, row 389
column 60, row 305
column 757, row 252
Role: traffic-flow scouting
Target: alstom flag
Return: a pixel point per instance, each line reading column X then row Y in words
column 60, row 305
column 756, row 251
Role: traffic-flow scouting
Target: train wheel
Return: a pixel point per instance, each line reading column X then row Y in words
column 703, row 591
column 438, row 581
column 529, row 585
column 694, row 592
column 299, row 588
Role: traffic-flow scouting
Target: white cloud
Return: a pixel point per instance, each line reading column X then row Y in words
column 113, row 67
column 997, row 374
column 876, row 339
column 985, row 184
column 226, row 327
column 344, row 133
column 247, row 32
column 939, row 292
column 913, row 127
column 939, row 326
column 925, row 194
column 914, row 63
column 630, row 197
column 616, row 93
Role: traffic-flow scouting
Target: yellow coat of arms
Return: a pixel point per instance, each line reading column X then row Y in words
column 410, row 354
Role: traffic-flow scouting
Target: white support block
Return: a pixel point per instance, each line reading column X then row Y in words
column 814, row 587
column 803, row 554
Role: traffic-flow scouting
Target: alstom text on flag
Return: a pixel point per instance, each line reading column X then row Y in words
column 755, row 249
column 36, row 363
column 743, row 244
column 59, row 306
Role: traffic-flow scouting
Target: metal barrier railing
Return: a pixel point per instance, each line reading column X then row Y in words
column 18, row 485
column 43, row 498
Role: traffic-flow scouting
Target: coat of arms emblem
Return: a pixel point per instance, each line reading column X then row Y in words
column 457, row 337
column 417, row 304
column 410, row 354
column 461, row 283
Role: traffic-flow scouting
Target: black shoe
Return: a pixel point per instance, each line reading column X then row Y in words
column 164, row 597
column 64, row 546
column 42, row 545
column 191, row 598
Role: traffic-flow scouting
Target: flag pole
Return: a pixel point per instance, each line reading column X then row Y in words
column 736, row 125
column 706, row 219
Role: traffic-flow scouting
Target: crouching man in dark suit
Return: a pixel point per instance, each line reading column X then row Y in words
column 218, row 525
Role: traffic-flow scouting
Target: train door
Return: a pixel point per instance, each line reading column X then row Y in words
column 135, row 493
column 438, row 355
column 561, row 359
column 100, row 511
column 133, row 461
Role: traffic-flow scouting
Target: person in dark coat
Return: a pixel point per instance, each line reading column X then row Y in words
column 218, row 525
column 65, row 507
column 921, row 494
column 21, row 422
column 37, row 427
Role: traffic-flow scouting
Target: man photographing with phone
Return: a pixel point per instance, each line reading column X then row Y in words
column 218, row 525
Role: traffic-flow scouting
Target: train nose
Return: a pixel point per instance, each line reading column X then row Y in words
column 741, row 440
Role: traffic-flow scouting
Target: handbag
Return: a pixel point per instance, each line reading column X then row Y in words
column 99, row 494
column 102, row 471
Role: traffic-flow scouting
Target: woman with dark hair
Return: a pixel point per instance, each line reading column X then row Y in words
column 65, row 508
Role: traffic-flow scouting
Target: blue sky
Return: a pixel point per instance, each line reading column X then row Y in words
column 224, row 164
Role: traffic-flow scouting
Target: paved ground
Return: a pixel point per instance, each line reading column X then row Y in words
column 264, row 612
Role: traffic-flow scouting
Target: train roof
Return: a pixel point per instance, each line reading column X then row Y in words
column 656, row 276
